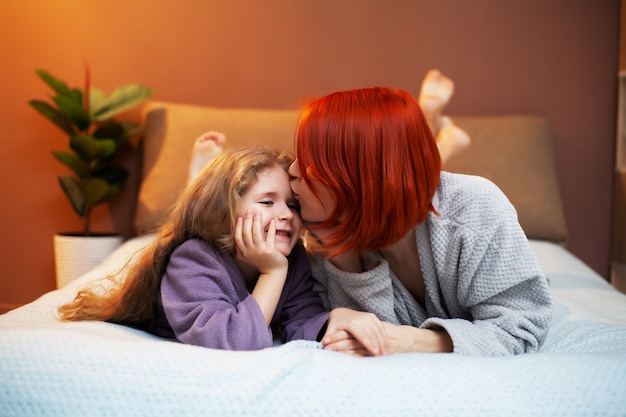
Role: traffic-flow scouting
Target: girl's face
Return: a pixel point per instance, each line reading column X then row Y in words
column 271, row 196
column 312, row 208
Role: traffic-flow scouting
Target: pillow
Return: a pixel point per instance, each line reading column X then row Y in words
column 170, row 133
column 516, row 153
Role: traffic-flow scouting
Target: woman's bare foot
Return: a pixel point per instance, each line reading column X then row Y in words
column 450, row 139
column 206, row 147
column 434, row 96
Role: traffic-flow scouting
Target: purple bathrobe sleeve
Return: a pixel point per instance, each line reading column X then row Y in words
column 206, row 303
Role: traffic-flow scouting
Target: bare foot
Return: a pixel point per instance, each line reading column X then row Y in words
column 451, row 139
column 434, row 96
column 206, row 147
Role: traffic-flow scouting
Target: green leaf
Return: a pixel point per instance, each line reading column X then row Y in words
column 60, row 87
column 74, row 193
column 55, row 116
column 97, row 99
column 96, row 191
column 73, row 162
column 112, row 174
column 96, row 178
column 122, row 99
column 120, row 132
column 74, row 111
column 90, row 148
column 57, row 85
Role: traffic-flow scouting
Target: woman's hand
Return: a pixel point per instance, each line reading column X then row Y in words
column 403, row 339
column 355, row 332
column 361, row 338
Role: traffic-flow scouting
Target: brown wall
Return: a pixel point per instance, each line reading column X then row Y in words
column 618, row 225
column 555, row 58
column 622, row 36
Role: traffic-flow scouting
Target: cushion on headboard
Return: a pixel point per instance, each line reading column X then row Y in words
column 514, row 152
column 170, row 133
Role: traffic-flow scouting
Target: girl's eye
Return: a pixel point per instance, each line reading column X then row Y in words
column 266, row 202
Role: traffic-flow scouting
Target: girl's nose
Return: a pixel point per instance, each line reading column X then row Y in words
column 284, row 212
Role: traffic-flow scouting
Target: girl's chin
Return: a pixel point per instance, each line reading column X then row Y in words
column 284, row 248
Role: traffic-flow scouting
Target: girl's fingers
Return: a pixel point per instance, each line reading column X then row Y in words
column 336, row 336
column 249, row 231
column 257, row 229
column 248, row 222
column 243, row 231
column 239, row 232
column 341, row 341
column 271, row 234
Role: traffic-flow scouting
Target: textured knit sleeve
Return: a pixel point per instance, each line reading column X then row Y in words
column 494, row 297
column 302, row 314
column 371, row 290
column 206, row 302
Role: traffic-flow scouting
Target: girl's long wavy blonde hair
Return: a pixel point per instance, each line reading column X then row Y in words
column 205, row 210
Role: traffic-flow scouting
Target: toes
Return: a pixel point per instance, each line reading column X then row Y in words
column 435, row 84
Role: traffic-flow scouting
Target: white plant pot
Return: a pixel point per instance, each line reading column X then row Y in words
column 75, row 255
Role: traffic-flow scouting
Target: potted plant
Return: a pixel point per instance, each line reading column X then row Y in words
column 86, row 116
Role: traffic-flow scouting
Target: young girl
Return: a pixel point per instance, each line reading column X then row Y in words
column 226, row 266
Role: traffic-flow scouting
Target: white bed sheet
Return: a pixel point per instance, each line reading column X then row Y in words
column 52, row 368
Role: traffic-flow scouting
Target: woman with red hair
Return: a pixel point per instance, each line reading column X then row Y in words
column 439, row 258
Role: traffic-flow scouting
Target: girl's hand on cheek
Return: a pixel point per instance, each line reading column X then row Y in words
column 254, row 247
column 260, row 252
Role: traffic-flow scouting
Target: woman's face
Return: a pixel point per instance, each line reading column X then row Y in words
column 312, row 208
column 271, row 196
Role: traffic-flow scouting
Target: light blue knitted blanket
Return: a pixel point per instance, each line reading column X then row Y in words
column 49, row 368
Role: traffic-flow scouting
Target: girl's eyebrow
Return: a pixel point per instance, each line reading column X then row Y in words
column 270, row 194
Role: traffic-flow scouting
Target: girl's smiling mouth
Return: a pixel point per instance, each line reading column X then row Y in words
column 283, row 232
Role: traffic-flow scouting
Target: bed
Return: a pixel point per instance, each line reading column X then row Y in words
column 52, row 368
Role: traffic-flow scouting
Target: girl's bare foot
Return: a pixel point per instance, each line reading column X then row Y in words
column 206, row 147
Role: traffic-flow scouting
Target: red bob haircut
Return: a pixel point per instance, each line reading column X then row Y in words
column 373, row 150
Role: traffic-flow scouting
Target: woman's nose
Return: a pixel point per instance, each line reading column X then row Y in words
column 293, row 170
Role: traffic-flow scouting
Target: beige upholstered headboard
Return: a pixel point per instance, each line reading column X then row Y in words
column 515, row 152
